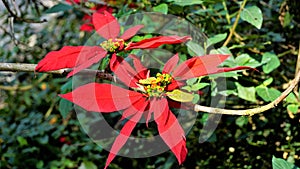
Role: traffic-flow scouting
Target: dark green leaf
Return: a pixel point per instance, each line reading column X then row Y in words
column 252, row 15
column 59, row 8
column 65, row 107
column 87, row 165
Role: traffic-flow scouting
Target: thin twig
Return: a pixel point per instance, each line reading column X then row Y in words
column 250, row 112
column 232, row 30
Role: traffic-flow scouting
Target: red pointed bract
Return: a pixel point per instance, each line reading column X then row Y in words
column 171, row 64
column 106, row 25
column 129, row 33
column 156, row 42
column 102, row 97
column 173, row 135
column 124, row 134
column 87, row 59
column 66, row 57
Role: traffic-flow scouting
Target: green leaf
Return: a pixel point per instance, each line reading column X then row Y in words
column 180, row 96
column 291, row 98
column 271, row 62
column 191, row 81
column 247, row 93
column 268, row 81
column 278, row 163
column 162, row 8
column 87, row 165
column 199, row 86
column 241, row 121
column 216, row 39
column 287, row 19
column 246, row 60
column 252, row 15
column 65, row 107
column 59, row 8
column 186, row 2
column 293, row 108
column 22, row 141
column 267, row 94
column 194, row 49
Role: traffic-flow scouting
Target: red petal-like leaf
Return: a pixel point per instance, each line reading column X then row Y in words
column 129, row 33
column 201, row 66
column 66, row 57
column 139, row 106
column 171, row 64
column 173, row 135
column 102, row 97
column 157, row 106
column 156, row 42
column 139, row 67
column 88, row 57
column 106, row 25
column 123, row 137
column 124, row 71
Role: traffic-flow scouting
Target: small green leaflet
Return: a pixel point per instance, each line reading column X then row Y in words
column 162, row 8
column 247, row 93
column 270, row 61
column 252, row 15
column 180, row 96
column 267, row 94
column 278, row 163
column 186, row 2
column 216, row 39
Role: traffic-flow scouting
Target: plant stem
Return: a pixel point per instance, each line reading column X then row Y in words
column 232, row 30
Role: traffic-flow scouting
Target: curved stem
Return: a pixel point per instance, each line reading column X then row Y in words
column 250, row 112
column 232, row 30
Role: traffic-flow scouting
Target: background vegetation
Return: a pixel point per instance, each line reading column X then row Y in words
column 37, row 130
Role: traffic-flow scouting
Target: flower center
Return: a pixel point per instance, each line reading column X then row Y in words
column 155, row 86
column 113, row 45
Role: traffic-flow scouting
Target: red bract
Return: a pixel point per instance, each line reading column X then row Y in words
column 150, row 97
column 81, row 57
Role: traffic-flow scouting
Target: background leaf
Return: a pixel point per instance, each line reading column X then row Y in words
column 252, row 15
column 271, row 62
column 247, row 93
column 278, row 163
column 162, row 8
column 59, row 8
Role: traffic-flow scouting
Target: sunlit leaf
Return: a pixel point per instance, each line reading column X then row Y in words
column 247, row 93
column 267, row 94
column 252, row 15
column 216, row 39
column 162, row 8
column 180, row 96
column 270, row 61
column 278, row 163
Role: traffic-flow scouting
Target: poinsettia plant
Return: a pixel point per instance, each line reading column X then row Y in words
column 107, row 26
column 148, row 96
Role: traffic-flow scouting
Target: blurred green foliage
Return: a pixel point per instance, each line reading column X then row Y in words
column 37, row 130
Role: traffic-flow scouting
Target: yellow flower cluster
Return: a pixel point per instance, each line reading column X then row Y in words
column 113, row 45
column 155, row 86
